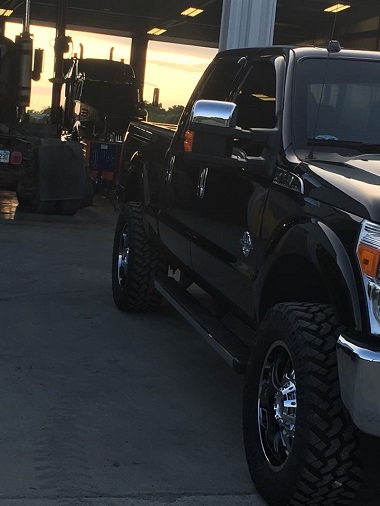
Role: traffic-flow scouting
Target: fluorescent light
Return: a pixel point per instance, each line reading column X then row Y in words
column 337, row 8
column 156, row 31
column 192, row 12
column 263, row 97
column 5, row 12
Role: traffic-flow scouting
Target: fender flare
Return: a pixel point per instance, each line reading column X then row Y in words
column 313, row 242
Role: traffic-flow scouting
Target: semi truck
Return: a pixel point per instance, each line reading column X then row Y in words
column 47, row 174
column 101, row 97
column 49, row 165
column 265, row 198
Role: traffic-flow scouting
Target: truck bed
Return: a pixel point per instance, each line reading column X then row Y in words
column 146, row 131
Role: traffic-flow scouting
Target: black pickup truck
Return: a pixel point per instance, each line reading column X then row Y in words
column 267, row 198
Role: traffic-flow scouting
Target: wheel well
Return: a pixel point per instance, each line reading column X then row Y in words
column 133, row 188
column 293, row 279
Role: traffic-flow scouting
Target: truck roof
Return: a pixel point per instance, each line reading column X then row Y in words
column 101, row 70
column 299, row 51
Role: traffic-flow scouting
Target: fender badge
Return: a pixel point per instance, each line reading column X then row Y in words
column 246, row 242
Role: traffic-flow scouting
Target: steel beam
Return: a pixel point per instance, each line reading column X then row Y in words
column 247, row 23
column 138, row 59
column 60, row 47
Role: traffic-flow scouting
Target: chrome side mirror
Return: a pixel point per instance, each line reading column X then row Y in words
column 214, row 113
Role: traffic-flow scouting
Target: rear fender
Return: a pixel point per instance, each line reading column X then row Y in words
column 136, row 184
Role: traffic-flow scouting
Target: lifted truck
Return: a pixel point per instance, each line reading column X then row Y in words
column 267, row 197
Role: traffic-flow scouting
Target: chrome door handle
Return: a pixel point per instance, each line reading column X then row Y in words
column 202, row 183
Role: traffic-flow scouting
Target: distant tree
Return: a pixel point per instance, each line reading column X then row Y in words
column 174, row 113
column 39, row 116
column 46, row 110
column 158, row 114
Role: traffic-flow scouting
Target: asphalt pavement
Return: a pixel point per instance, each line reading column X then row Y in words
column 99, row 407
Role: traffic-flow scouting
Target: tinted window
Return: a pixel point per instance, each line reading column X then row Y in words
column 220, row 82
column 337, row 100
column 256, row 100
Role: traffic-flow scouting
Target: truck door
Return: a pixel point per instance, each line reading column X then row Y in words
column 180, row 180
column 230, row 201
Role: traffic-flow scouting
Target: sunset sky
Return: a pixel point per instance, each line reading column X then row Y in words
column 174, row 68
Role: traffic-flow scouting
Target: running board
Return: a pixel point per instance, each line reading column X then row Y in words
column 227, row 344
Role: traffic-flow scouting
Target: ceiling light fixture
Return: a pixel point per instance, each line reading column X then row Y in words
column 337, row 8
column 192, row 12
column 6, row 12
column 156, row 31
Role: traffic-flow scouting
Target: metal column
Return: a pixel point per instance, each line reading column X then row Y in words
column 247, row 23
column 138, row 59
column 60, row 48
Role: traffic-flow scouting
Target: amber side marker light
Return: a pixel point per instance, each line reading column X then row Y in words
column 188, row 142
column 369, row 260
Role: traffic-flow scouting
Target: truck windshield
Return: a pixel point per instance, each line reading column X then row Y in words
column 337, row 107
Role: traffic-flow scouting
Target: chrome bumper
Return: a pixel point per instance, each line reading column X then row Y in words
column 359, row 378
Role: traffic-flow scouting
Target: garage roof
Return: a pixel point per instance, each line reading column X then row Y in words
column 296, row 21
column 128, row 17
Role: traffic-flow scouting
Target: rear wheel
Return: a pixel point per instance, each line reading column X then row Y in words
column 135, row 263
column 300, row 445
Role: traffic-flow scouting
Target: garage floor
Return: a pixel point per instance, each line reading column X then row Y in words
column 99, row 407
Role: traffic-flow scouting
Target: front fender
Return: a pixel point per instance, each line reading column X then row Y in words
column 310, row 264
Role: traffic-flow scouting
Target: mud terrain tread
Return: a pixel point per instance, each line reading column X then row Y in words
column 145, row 262
column 329, row 472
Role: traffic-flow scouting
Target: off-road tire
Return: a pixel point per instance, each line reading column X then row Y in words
column 133, row 285
column 321, row 468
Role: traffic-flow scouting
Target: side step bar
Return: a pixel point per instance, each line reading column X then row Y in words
column 227, row 344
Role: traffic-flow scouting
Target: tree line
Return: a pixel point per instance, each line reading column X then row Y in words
column 156, row 114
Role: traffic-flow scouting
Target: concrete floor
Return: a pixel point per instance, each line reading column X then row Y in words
column 99, row 407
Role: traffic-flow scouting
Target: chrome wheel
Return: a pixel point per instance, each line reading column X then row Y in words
column 277, row 407
column 123, row 258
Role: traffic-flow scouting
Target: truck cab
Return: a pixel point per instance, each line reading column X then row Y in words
column 101, row 97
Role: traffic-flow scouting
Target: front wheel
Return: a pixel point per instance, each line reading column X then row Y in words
column 300, row 445
column 135, row 263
